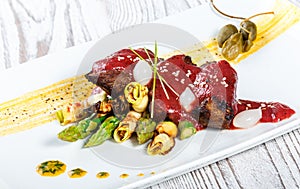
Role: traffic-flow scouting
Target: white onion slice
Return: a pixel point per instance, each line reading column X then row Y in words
column 186, row 98
column 142, row 72
column 93, row 99
column 247, row 118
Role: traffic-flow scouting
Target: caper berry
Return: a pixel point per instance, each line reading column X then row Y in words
column 247, row 45
column 233, row 46
column 248, row 30
column 225, row 33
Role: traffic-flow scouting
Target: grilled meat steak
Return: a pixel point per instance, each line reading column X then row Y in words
column 204, row 95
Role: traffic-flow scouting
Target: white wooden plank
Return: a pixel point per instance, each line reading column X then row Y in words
column 136, row 12
column 211, row 177
column 287, row 150
column 218, row 176
column 159, row 9
column 154, row 187
column 35, row 28
column 113, row 10
column 293, row 147
column 77, row 26
column 94, row 16
column 282, row 168
column 68, row 25
column 4, row 63
column 189, row 180
column 61, row 35
column 255, row 168
column 174, row 7
column 10, row 40
column 168, row 184
column 116, row 11
column 150, row 10
column 295, row 141
column 193, row 3
column 297, row 136
column 205, row 178
column 125, row 18
column 198, row 179
column 228, row 175
column 129, row 12
column 89, row 20
column 181, row 182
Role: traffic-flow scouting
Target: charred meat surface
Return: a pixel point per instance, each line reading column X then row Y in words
column 213, row 84
column 215, row 113
column 105, row 71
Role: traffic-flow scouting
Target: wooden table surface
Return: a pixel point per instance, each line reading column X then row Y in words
column 31, row 29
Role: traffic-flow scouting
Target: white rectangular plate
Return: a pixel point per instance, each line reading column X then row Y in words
column 271, row 74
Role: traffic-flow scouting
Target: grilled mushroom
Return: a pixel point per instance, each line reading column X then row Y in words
column 167, row 127
column 137, row 95
column 161, row 144
column 126, row 127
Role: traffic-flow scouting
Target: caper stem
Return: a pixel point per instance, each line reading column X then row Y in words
column 162, row 80
column 230, row 16
column 137, row 54
column 238, row 17
column 159, row 77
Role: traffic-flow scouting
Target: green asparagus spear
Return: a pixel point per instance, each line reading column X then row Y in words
column 60, row 116
column 104, row 132
column 186, row 129
column 144, row 137
column 145, row 130
column 81, row 130
column 88, row 126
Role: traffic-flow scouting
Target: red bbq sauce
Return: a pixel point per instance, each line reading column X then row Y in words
column 214, row 79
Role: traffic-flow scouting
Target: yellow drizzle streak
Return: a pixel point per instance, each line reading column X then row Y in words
column 140, row 175
column 268, row 26
column 102, row 175
column 77, row 173
column 271, row 26
column 38, row 107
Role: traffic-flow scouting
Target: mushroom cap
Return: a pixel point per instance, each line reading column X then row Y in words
column 161, row 144
column 167, row 127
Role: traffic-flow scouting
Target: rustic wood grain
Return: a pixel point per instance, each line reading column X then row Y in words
column 31, row 29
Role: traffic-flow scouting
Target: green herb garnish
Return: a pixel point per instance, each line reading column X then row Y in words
column 155, row 73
